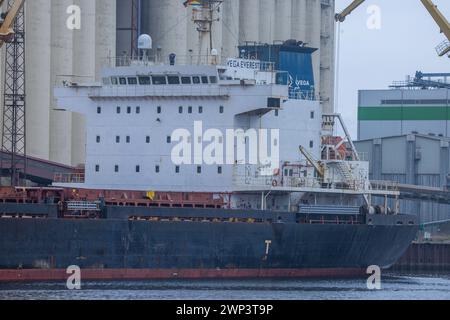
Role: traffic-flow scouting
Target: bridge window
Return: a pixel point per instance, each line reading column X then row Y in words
column 114, row 81
column 173, row 80
column 159, row 80
column 186, row 80
column 123, row 81
column 132, row 81
column 205, row 80
column 106, row 81
column 196, row 80
column 213, row 79
column 144, row 81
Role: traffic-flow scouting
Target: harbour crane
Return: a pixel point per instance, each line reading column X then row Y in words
column 13, row 141
column 7, row 21
column 435, row 13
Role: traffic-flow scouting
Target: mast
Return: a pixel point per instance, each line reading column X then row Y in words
column 203, row 15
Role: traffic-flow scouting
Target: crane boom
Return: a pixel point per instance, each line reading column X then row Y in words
column 443, row 24
column 435, row 13
column 316, row 164
column 6, row 30
column 340, row 17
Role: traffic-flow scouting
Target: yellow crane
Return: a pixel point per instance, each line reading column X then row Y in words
column 340, row 17
column 435, row 13
column 7, row 21
column 315, row 163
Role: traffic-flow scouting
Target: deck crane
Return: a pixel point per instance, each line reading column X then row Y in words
column 7, row 21
column 315, row 163
column 435, row 13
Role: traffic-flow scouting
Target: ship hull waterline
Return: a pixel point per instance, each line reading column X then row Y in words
column 43, row 249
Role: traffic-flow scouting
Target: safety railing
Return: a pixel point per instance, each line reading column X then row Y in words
column 69, row 178
column 381, row 185
column 296, row 94
column 269, row 182
column 159, row 91
column 443, row 48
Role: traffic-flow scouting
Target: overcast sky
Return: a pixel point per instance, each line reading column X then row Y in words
column 373, row 58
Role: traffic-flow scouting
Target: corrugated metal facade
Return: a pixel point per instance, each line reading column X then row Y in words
column 411, row 159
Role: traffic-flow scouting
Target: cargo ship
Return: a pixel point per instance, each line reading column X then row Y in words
column 205, row 167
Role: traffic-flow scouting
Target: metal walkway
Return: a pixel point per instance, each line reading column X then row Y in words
column 39, row 171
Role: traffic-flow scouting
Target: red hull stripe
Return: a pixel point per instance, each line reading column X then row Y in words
column 144, row 274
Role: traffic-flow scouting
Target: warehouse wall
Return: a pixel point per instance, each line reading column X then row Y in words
column 411, row 159
column 384, row 113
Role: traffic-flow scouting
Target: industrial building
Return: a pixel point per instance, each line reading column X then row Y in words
column 419, row 105
column 404, row 132
column 413, row 159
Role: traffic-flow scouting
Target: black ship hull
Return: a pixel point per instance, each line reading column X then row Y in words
column 177, row 245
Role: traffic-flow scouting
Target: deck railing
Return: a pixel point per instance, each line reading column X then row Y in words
column 69, row 178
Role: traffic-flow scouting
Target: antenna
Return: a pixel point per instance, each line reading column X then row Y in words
column 145, row 43
column 203, row 16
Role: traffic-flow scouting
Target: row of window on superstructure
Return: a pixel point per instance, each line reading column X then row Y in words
column 159, row 80
column 137, row 109
column 177, row 169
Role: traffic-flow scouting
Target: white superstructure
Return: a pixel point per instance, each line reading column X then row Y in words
column 193, row 128
column 133, row 115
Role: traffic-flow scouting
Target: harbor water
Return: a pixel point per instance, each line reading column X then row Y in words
column 398, row 286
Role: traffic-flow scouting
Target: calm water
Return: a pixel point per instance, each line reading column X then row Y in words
column 394, row 286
